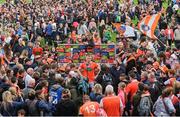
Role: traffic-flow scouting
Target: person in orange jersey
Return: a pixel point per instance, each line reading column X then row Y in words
column 112, row 104
column 89, row 107
column 89, row 69
column 131, row 90
column 132, row 87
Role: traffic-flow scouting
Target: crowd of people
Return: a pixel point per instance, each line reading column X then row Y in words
column 144, row 79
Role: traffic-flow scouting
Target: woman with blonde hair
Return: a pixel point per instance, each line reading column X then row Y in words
column 96, row 95
column 13, row 93
column 8, row 107
column 23, row 56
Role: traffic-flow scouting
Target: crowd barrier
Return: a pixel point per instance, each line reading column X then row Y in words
column 76, row 53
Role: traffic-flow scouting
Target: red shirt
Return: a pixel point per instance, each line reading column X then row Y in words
column 88, row 71
column 174, row 99
column 37, row 51
column 132, row 88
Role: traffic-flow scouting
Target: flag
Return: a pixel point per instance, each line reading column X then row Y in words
column 135, row 2
column 148, row 25
column 124, row 30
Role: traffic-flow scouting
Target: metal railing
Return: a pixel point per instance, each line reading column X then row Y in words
column 76, row 53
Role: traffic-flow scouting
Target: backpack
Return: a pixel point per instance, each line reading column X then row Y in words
column 144, row 107
column 83, row 86
column 32, row 108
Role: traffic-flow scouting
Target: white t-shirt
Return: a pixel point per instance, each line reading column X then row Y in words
column 54, row 26
column 27, row 79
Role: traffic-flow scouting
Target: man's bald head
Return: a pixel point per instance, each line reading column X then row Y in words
column 30, row 71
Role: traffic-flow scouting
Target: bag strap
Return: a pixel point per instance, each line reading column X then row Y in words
column 36, row 86
column 166, row 108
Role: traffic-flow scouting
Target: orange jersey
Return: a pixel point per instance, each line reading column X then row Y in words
column 132, row 88
column 112, row 105
column 88, row 71
column 89, row 109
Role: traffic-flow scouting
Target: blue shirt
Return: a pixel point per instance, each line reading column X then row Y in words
column 56, row 93
column 19, row 31
column 49, row 29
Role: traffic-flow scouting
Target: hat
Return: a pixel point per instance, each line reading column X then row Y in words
column 164, row 69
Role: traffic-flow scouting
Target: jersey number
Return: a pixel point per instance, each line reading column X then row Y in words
column 90, row 109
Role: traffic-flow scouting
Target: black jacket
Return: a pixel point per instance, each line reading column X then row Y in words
column 66, row 108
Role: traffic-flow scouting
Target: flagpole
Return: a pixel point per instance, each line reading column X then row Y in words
column 162, row 42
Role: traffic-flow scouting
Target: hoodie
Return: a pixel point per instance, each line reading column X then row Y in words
column 66, row 107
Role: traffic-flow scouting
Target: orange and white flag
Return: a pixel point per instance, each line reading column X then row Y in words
column 124, row 30
column 148, row 25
